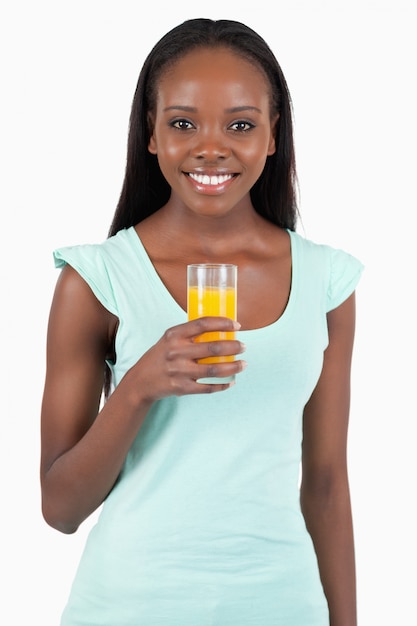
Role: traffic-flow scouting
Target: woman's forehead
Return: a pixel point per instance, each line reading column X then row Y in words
column 216, row 68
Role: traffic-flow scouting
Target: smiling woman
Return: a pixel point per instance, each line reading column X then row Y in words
column 202, row 520
column 212, row 119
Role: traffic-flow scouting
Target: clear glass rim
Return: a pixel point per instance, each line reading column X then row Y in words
column 211, row 265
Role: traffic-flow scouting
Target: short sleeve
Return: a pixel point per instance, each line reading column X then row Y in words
column 345, row 272
column 89, row 262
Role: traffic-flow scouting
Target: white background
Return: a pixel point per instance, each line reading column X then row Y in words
column 68, row 74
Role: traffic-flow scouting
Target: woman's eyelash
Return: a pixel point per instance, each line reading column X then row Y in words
column 243, row 126
column 181, row 124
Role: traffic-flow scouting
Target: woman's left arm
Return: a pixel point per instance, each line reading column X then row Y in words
column 325, row 497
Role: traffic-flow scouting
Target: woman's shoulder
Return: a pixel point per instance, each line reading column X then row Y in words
column 339, row 270
column 112, row 247
column 100, row 264
column 325, row 252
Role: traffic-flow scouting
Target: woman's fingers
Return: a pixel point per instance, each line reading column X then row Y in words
column 201, row 325
column 183, row 356
column 212, row 324
column 219, row 370
column 203, row 337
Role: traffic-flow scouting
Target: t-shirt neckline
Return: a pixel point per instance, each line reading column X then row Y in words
column 164, row 291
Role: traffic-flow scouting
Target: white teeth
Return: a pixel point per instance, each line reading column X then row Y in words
column 204, row 179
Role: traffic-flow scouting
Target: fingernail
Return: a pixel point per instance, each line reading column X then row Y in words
column 243, row 346
column 236, row 325
column 243, row 365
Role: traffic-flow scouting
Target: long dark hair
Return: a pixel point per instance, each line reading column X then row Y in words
column 144, row 188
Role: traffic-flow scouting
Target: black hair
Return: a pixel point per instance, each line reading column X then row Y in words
column 144, row 189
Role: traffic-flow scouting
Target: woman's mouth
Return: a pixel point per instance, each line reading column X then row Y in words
column 214, row 181
column 210, row 184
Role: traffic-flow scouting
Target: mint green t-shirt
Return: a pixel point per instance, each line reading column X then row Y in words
column 204, row 527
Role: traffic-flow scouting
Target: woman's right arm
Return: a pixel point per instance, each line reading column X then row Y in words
column 83, row 449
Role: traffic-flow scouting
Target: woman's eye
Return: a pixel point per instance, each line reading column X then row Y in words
column 182, row 124
column 242, row 126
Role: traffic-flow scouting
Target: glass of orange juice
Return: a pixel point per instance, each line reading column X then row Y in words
column 212, row 290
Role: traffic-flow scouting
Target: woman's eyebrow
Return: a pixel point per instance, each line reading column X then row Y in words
column 179, row 107
column 188, row 109
column 242, row 108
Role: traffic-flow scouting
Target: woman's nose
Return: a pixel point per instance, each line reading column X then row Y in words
column 211, row 146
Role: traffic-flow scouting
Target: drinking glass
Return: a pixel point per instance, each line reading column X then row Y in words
column 212, row 290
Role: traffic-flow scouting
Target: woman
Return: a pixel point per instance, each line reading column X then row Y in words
column 203, row 521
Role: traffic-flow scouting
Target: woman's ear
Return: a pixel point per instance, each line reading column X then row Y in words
column 272, row 144
column 152, row 141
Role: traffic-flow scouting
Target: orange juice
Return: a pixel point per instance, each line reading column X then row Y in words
column 216, row 301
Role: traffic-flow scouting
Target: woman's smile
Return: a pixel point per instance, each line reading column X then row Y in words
column 210, row 183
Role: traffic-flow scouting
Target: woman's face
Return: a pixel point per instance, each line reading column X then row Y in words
column 212, row 130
